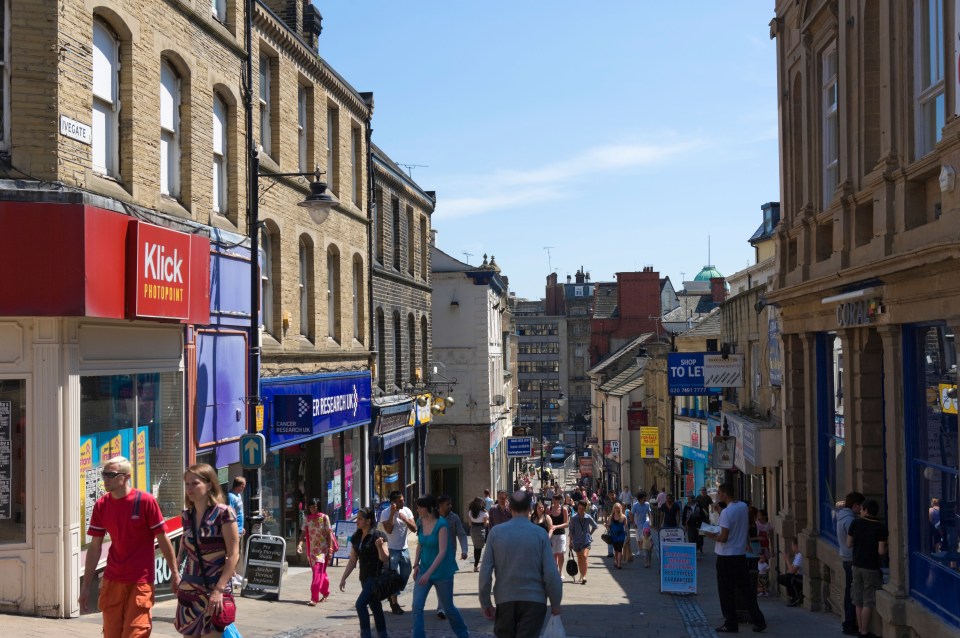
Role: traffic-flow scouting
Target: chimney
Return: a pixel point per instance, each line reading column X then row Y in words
column 433, row 236
column 580, row 275
column 552, row 279
column 718, row 289
column 568, row 278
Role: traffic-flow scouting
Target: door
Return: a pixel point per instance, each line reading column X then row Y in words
column 446, row 480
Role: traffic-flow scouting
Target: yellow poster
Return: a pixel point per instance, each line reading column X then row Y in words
column 948, row 403
column 649, row 442
column 142, row 460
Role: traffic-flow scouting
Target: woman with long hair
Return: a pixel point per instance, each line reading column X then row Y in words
column 582, row 527
column 211, row 546
column 434, row 566
column 559, row 520
column 477, row 517
column 617, row 528
column 540, row 518
column 318, row 533
column 368, row 546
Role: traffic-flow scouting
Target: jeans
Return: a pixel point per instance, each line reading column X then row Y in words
column 445, row 596
column 519, row 619
column 400, row 561
column 732, row 574
column 849, row 611
column 365, row 599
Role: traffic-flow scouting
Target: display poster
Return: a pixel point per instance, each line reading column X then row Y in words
column 650, row 442
column 343, row 530
column 678, row 568
column 6, row 460
column 348, row 463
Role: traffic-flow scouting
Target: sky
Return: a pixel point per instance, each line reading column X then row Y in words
column 621, row 134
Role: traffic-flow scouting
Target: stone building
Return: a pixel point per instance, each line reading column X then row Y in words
column 867, row 289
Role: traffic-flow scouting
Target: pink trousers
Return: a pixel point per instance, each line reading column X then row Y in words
column 320, row 586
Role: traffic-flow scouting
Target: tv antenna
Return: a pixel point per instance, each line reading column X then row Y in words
column 467, row 255
column 549, row 260
column 410, row 168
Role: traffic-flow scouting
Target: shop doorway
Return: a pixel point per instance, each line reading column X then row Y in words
column 446, row 479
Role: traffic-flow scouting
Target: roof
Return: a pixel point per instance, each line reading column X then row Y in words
column 707, row 273
column 617, row 354
column 605, row 300
column 442, row 262
column 398, row 173
column 629, row 374
column 709, row 327
column 627, row 387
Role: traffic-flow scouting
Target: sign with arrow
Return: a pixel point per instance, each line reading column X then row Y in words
column 253, row 448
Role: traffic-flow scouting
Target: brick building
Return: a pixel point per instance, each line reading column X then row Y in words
column 632, row 306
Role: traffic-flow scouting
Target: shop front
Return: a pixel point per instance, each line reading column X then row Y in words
column 396, row 449
column 315, row 428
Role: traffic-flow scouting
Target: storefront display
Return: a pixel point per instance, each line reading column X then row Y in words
column 13, row 420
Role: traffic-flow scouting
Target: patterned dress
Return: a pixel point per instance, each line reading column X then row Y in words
column 316, row 532
column 191, row 619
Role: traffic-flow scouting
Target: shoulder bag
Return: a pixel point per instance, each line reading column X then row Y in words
column 228, row 612
column 388, row 580
column 571, row 566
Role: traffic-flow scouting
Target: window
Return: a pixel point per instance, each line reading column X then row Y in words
column 13, row 452
column 831, row 125
column 219, row 9
column 412, row 348
column 333, row 293
column 266, row 281
column 381, row 350
column 411, row 249
column 106, row 100
column 395, row 205
column 397, row 351
column 219, row 155
column 356, row 164
column 930, row 101
column 266, row 137
column 305, row 284
column 424, row 350
column 831, row 428
column 358, row 298
column 378, row 220
column 302, row 129
column 4, row 75
column 333, row 149
column 933, row 471
column 423, row 248
column 169, row 130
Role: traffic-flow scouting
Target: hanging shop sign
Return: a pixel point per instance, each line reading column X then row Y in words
column 337, row 402
column 724, row 452
column 649, row 442
column 637, row 419
column 773, row 347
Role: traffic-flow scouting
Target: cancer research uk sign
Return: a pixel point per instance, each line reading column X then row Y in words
column 699, row 373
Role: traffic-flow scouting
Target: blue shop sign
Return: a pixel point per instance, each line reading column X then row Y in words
column 337, row 402
column 694, row 454
column 685, row 374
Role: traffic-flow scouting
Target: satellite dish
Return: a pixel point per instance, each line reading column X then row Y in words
column 499, row 399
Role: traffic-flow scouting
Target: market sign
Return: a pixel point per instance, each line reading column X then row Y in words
column 161, row 280
column 649, row 442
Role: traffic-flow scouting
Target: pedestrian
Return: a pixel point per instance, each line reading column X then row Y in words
column 852, row 506
column 938, row 535
column 792, row 578
column 500, row 513
column 541, row 519
column 559, row 521
column 457, row 533
column 868, row 538
column 765, row 530
column 235, row 501
column 625, row 498
column 646, row 546
column 617, row 528
column 318, row 534
column 488, row 501
column 582, row 527
column 369, row 548
column 398, row 522
column 763, row 575
column 691, row 521
column 133, row 520
column 520, row 555
column 671, row 512
column 733, row 572
column 211, row 547
column 477, row 518
column 640, row 511
column 434, row 566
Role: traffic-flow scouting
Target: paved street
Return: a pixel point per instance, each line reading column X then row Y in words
column 613, row 603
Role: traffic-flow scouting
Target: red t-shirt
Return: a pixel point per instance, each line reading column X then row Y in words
column 132, row 527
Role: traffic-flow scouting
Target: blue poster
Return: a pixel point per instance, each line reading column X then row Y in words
column 678, row 568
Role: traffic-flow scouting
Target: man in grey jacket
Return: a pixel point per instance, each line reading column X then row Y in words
column 526, row 574
column 852, row 506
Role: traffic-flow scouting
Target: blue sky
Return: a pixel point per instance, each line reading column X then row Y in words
column 622, row 134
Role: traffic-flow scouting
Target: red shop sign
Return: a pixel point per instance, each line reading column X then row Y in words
column 161, row 281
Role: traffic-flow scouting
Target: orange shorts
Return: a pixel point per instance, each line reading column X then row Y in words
column 126, row 609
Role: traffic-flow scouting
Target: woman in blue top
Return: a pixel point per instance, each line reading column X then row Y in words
column 582, row 527
column 434, row 566
column 617, row 528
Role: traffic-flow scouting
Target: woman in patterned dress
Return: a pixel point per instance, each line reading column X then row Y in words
column 318, row 533
column 209, row 531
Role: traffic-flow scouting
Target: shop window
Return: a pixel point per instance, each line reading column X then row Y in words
column 13, row 452
column 933, row 481
column 106, row 100
column 138, row 416
column 831, row 430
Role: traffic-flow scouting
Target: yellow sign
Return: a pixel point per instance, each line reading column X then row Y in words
column 260, row 418
column 142, row 459
column 948, row 404
column 649, row 442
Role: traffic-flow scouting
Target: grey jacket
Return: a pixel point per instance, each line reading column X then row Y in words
column 845, row 516
column 520, row 554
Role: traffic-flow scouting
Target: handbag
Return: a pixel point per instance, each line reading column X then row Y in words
column 228, row 610
column 388, row 583
column 571, row 567
column 606, row 538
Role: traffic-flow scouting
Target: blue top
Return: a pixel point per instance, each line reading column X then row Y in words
column 618, row 530
column 236, row 502
column 430, row 548
column 581, row 528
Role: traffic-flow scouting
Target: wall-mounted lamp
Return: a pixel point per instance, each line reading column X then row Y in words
column 454, row 304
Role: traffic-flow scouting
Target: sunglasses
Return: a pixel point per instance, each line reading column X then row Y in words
column 112, row 475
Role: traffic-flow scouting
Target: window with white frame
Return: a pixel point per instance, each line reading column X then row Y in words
column 169, row 130
column 265, row 95
column 302, row 129
column 830, row 123
column 219, row 9
column 333, row 292
column 929, row 70
column 333, row 134
column 219, row 155
column 357, row 298
column 266, row 282
column 5, row 75
column 106, row 100
column 356, row 164
column 306, row 260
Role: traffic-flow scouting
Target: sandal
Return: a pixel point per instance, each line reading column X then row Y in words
column 312, row 603
column 583, row 581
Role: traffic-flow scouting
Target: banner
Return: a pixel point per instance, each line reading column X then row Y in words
column 649, row 442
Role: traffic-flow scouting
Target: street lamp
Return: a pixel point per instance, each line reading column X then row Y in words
column 318, row 205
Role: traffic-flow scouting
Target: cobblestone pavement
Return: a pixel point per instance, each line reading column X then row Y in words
column 615, row 602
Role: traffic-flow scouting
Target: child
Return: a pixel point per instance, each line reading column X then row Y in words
column 646, row 546
column 763, row 575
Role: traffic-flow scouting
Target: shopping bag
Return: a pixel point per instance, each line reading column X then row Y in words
column 553, row 628
column 231, row 631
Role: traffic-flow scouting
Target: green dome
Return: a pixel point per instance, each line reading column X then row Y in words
column 708, row 273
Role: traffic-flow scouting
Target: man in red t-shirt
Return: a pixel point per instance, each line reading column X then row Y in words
column 133, row 519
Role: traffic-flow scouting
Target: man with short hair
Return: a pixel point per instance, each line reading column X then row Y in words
column 235, row 498
column 499, row 513
column 455, row 531
column 133, row 519
column 733, row 572
column 397, row 522
column 488, row 501
column 792, row 579
column 868, row 538
column 852, row 505
column 519, row 553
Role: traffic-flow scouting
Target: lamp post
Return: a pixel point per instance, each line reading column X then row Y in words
column 543, row 470
column 318, row 204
